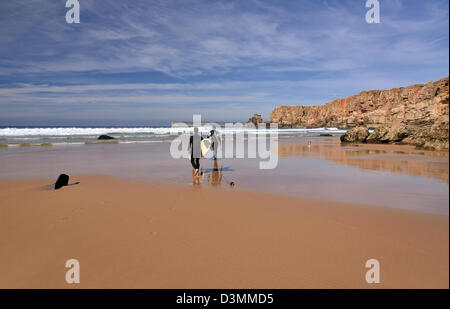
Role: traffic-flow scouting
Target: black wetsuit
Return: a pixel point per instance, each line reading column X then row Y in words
column 194, row 146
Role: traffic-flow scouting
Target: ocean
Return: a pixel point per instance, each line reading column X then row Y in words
column 45, row 136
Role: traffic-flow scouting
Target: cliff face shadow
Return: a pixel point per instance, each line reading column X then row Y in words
column 390, row 158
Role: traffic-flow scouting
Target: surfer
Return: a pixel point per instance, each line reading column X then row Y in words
column 194, row 148
column 215, row 140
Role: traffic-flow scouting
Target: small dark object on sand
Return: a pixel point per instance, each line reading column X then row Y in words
column 63, row 180
column 232, row 184
column 104, row 136
column 325, row 134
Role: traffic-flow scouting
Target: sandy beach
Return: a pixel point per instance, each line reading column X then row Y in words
column 141, row 234
column 138, row 219
column 224, row 145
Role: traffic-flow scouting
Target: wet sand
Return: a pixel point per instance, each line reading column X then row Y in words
column 139, row 234
column 387, row 176
column 402, row 159
column 140, row 220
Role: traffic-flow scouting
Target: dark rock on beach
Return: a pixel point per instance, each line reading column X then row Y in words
column 391, row 134
column 105, row 137
column 434, row 137
column 430, row 137
column 326, row 134
column 355, row 135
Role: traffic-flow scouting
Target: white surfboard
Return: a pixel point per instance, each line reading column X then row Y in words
column 205, row 146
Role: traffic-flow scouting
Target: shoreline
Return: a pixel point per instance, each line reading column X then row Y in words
column 141, row 234
column 379, row 175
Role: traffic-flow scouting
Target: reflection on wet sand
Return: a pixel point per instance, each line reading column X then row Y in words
column 213, row 176
column 196, row 179
column 393, row 158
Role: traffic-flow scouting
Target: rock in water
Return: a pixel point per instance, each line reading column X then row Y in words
column 63, row 180
column 104, row 136
column 255, row 119
column 355, row 135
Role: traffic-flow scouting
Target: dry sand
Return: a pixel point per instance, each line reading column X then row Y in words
column 129, row 234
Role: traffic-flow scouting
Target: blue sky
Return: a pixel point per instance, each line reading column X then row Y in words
column 149, row 62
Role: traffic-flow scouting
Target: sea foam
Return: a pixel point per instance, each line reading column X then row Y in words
column 78, row 131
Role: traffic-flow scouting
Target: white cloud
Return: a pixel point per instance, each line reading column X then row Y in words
column 305, row 52
column 191, row 38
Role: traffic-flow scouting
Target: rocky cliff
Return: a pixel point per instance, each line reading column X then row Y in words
column 417, row 105
column 415, row 115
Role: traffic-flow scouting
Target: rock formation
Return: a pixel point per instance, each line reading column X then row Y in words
column 417, row 105
column 354, row 135
column 105, row 137
column 429, row 137
column 256, row 119
column 416, row 115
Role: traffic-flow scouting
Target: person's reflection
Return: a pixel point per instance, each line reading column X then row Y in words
column 195, row 179
column 216, row 178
